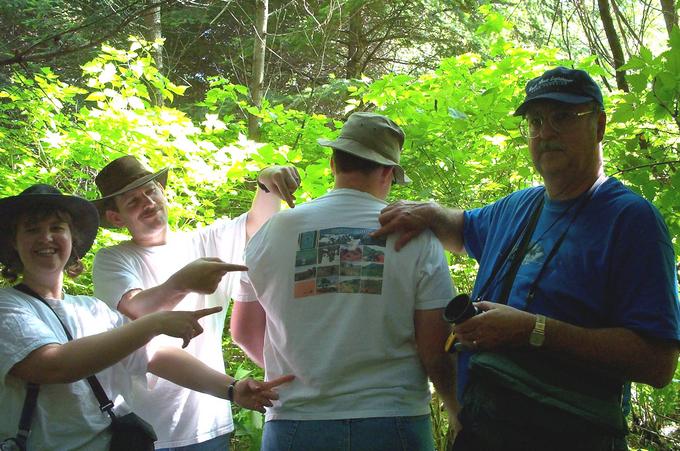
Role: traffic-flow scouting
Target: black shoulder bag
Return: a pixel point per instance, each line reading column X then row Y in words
column 556, row 394
column 128, row 432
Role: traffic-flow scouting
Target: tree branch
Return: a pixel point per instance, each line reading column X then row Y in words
column 28, row 55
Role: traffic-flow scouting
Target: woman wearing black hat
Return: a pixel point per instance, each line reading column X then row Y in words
column 44, row 234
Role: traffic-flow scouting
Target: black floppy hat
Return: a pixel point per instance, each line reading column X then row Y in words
column 83, row 214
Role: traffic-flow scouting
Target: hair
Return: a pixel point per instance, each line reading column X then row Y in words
column 109, row 204
column 346, row 162
column 13, row 267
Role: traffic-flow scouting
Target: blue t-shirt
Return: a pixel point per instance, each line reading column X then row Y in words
column 614, row 268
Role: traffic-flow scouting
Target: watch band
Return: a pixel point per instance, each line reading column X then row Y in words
column 230, row 390
column 262, row 186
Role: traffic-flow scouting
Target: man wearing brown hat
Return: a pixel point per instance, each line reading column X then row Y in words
column 358, row 324
column 577, row 286
column 160, row 269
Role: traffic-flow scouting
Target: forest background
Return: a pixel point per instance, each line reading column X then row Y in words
column 218, row 89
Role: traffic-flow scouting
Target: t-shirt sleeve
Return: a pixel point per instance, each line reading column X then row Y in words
column 22, row 332
column 254, row 256
column 245, row 291
column 644, row 277
column 113, row 276
column 475, row 230
column 434, row 287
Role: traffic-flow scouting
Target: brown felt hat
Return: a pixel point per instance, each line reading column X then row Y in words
column 120, row 176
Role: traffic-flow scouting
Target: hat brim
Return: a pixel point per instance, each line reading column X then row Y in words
column 359, row 150
column 161, row 176
column 563, row 97
column 84, row 218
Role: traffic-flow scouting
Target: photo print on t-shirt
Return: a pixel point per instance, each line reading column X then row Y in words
column 339, row 260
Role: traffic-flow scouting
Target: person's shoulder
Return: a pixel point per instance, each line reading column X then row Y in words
column 526, row 194
column 521, row 200
column 113, row 252
column 631, row 211
column 117, row 247
column 426, row 241
column 7, row 293
column 625, row 199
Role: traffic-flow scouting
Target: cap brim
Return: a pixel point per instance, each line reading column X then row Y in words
column 161, row 176
column 83, row 213
column 563, row 97
column 359, row 150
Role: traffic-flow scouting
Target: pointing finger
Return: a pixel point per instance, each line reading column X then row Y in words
column 206, row 311
column 285, row 193
column 230, row 267
column 276, row 382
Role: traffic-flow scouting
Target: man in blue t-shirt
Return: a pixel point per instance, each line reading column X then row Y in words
column 594, row 282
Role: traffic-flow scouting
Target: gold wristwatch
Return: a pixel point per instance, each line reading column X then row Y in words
column 537, row 336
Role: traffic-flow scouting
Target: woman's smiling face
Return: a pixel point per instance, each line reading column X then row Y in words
column 43, row 245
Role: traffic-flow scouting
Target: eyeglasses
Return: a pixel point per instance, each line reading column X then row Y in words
column 560, row 121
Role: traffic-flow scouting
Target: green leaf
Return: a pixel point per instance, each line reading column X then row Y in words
column 96, row 96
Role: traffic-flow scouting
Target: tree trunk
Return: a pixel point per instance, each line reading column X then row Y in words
column 257, row 76
column 614, row 43
column 152, row 21
column 356, row 42
column 670, row 14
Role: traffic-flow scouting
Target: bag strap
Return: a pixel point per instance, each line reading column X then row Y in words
column 30, row 401
column 105, row 404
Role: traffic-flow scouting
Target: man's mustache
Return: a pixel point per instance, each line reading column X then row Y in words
column 549, row 146
column 151, row 210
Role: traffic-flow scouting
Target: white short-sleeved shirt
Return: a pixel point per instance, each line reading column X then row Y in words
column 340, row 309
column 180, row 416
column 67, row 416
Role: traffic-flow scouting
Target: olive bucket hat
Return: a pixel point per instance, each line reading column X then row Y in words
column 120, row 176
column 372, row 137
column 84, row 217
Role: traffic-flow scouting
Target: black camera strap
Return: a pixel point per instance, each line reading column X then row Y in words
column 105, row 404
column 523, row 236
column 509, row 277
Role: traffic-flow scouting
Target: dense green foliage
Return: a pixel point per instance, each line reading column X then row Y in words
column 463, row 147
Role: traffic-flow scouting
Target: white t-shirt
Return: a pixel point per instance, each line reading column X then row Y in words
column 67, row 416
column 179, row 416
column 340, row 308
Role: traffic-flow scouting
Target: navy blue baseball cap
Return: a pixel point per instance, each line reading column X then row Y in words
column 573, row 86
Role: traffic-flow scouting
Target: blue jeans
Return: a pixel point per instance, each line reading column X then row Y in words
column 220, row 443
column 359, row 434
